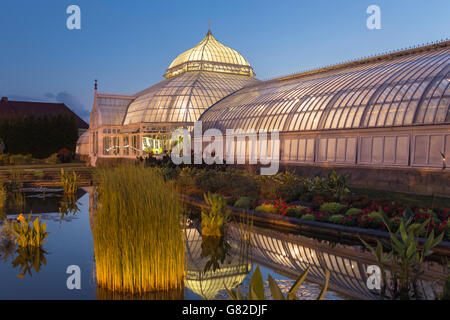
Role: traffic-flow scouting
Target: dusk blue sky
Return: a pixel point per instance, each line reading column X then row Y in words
column 127, row 45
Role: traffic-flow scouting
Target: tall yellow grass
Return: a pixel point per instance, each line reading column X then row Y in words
column 138, row 236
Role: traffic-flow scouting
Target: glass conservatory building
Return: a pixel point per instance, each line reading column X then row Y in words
column 140, row 124
column 390, row 110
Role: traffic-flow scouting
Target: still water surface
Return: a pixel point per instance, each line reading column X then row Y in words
column 282, row 255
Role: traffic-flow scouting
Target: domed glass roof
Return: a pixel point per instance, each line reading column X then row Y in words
column 184, row 98
column 210, row 55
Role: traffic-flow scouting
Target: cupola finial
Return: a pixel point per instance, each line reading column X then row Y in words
column 209, row 27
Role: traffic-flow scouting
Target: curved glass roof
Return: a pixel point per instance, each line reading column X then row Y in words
column 110, row 110
column 84, row 138
column 406, row 88
column 184, row 98
column 210, row 55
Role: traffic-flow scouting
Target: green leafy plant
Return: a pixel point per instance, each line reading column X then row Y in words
column 337, row 185
column 337, row 218
column 29, row 233
column 244, row 203
column 68, row 206
column 353, row 211
column 296, row 211
column 215, row 218
column 53, row 159
column 256, row 288
column 28, row 259
column 217, row 250
column 404, row 256
column 69, row 182
column 332, row 207
column 39, row 174
column 266, row 208
column 309, row 217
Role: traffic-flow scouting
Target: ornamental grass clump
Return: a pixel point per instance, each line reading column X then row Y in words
column 138, row 237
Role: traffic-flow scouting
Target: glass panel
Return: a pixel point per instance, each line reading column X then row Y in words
column 436, row 147
column 421, row 150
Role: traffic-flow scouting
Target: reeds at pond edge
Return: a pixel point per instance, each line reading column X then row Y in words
column 138, row 237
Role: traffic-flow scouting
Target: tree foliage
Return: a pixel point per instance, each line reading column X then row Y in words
column 39, row 136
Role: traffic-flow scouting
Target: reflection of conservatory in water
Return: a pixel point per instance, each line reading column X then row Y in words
column 140, row 124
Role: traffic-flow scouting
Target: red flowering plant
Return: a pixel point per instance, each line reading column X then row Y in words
column 64, row 155
column 281, row 206
column 321, row 216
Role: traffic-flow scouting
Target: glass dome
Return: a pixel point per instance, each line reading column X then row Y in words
column 184, row 98
column 210, row 55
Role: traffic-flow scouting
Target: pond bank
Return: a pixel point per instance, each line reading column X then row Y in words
column 46, row 177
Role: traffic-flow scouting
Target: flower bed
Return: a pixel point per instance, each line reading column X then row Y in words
column 324, row 199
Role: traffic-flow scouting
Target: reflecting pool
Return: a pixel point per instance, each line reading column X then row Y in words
column 212, row 265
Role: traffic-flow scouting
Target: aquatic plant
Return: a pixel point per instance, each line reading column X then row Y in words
column 17, row 201
column 406, row 254
column 3, row 195
column 217, row 250
column 16, row 179
column 28, row 259
column 7, row 246
column 68, row 206
column 256, row 288
column 29, row 233
column 215, row 218
column 69, row 182
column 137, row 230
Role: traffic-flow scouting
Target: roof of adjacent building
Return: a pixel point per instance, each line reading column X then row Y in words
column 25, row 108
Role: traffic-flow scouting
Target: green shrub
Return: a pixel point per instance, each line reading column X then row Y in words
column 53, row 159
column 309, row 217
column 39, row 174
column 17, row 159
column 266, row 208
column 332, row 207
column 4, row 159
column 353, row 211
column 296, row 211
column 337, row 218
column 244, row 203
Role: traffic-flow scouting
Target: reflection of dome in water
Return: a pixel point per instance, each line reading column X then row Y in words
column 208, row 284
